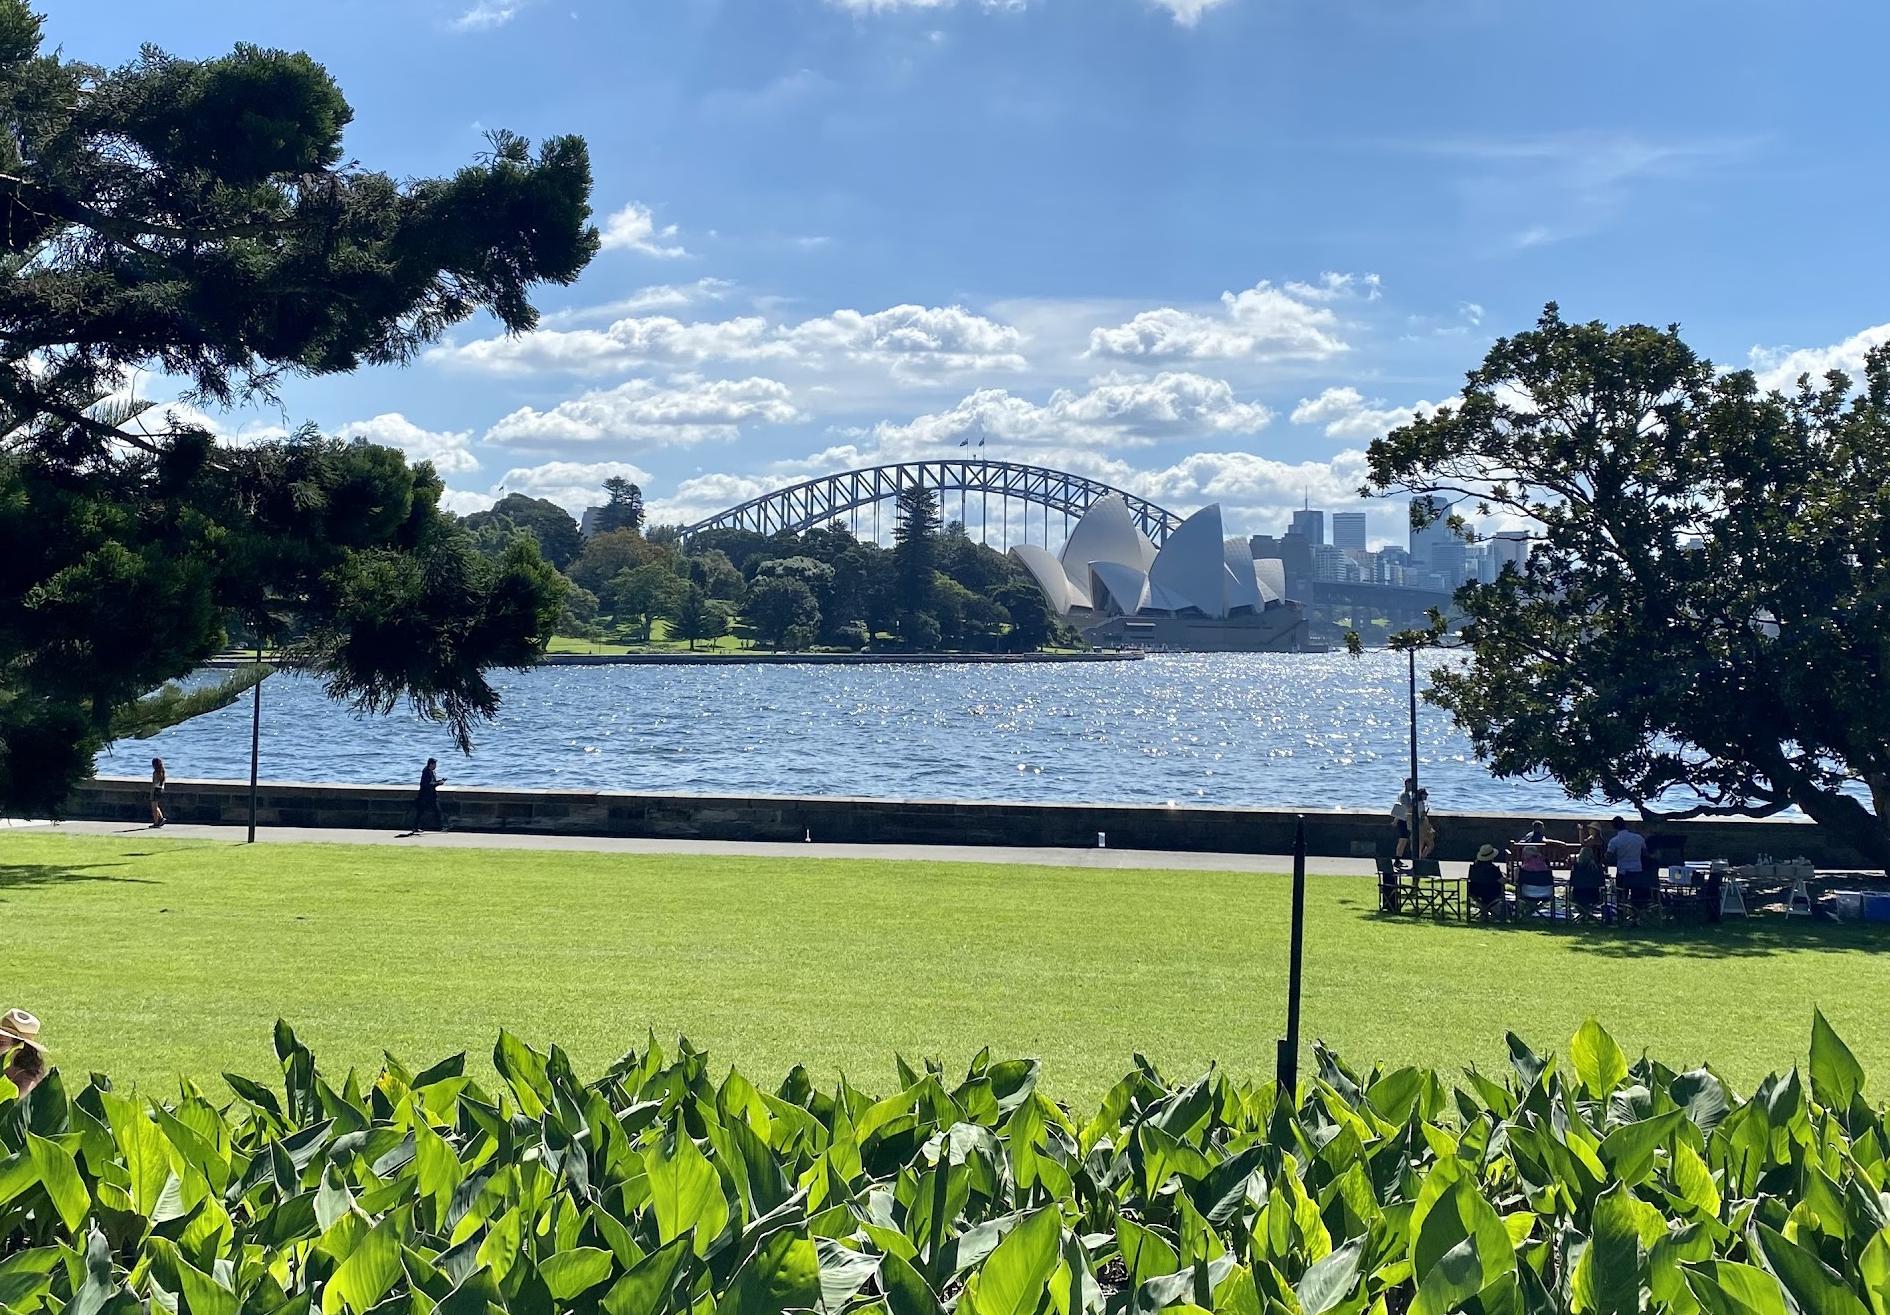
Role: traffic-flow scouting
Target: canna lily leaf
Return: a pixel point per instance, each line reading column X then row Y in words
column 1598, row 1061
column 1836, row 1076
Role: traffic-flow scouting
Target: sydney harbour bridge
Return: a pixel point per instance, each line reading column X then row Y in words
column 855, row 499
column 861, row 500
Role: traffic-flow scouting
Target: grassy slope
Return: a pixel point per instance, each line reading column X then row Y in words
column 148, row 957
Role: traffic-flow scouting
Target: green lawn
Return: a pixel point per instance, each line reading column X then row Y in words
column 148, row 957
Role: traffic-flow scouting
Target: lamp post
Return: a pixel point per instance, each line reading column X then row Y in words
column 1287, row 1056
column 255, row 741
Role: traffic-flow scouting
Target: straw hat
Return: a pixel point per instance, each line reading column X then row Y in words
column 18, row 1025
column 1485, row 854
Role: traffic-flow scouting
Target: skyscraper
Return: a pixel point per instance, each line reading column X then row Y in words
column 1310, row 523
column 1435, row 535
column 1348, row 530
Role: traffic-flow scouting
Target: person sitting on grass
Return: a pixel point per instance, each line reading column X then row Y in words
column 22, row 1058
column 1486, row 883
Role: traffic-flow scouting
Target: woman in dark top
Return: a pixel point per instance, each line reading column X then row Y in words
column 1486, row 883
column 157, row 791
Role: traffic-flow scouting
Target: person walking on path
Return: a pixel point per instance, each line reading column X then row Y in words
column 157, row 792
column 428, row 800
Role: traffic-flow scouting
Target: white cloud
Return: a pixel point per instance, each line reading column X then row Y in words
column 634, row 228
column 912, row 342
column 1333, row 286
column 487, row 14
column 1262, row 323
column 1779, row 367
column 1346, row 413
column 1185, row 12
column 662, row 296
column 688, row 411
column 1113, row 412
column 450, row 452
column 1188, row 12
column 702, row 496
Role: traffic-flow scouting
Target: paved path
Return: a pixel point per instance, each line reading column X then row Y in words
column 1072, row 858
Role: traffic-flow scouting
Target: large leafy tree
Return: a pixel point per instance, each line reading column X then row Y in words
column 547, row 522
column 1705, row 615
column 191, row 225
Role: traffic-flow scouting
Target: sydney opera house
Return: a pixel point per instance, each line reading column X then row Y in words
column 1200, row 592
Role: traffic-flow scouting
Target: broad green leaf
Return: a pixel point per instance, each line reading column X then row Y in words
column 1598, row 1061
column 26, row 1274
column 784, row 1274
column 1628, row 1151
column 1836, row 1076
column 568, row 1273
column 1873, row 1267
column 907, row 1292
column 59, row 1175
column 1457, row 1276
column 1607, row 1280
column 645, row 1289
column 202, row 1293
column 685, row 1191
column 369, row 1272
column 1331, row 1278
column 1812, row 1285
column 1725, row 1288
column 1012, row 1279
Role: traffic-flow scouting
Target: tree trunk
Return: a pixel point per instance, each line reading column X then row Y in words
column 1848, row 820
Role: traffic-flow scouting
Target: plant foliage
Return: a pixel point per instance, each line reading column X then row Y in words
column 1595, row 1183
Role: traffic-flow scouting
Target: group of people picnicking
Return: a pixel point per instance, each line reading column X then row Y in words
column 1535, row 856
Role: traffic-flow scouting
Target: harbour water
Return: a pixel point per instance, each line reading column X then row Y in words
column 1286, row 730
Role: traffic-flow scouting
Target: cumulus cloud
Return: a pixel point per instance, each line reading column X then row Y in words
column 662, row 296
column 1262, row 323
column 1112, row 412
column 688, row 411
column 486, row 15
column 912, row 342
column 1347, row 413
column 449, row 451
column 1188, row 12
column 634, row 228
column 1185, row 12
column 912, row 339
column 1780, row 367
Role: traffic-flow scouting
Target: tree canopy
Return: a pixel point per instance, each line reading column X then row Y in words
column 190, row 224
column 1705, row 614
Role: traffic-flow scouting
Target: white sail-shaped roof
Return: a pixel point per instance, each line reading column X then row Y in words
column 1127, row 587
column 1272, row 574
column 1107, row 533
column 1243, row 586
column 1192, row 564
column 1062, row 592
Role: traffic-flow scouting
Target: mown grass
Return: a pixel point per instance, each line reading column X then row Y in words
column 147, row 958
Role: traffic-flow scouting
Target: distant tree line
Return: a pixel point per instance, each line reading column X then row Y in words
column 935, row 589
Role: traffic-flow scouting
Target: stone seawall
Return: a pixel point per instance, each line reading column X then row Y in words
column 889, row 821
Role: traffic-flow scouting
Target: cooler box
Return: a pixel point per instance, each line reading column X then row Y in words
column 1877, row 908
column 1847, row 905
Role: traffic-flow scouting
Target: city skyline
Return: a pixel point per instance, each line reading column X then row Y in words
column 839, row 233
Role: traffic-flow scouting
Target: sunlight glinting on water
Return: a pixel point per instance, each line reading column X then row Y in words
column 1290, row 730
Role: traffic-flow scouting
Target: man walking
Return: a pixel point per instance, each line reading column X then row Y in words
column 428, row 800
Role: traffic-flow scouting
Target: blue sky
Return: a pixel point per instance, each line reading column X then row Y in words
column 1204, row 249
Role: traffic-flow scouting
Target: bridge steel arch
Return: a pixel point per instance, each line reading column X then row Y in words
column 822, row 501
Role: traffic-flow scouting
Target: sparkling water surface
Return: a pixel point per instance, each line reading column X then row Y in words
column 1310, row 731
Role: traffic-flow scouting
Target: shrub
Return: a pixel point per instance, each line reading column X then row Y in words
column 1591, row 1184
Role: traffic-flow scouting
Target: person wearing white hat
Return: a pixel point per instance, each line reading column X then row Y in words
column 23, row 1056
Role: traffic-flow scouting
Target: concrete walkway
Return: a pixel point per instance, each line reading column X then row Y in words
column 1114, row 859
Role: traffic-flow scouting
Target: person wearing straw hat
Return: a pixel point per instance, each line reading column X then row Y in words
column 23, row 1056
column 1486, row 883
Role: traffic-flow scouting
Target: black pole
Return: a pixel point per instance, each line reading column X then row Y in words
column 1289, row 1048
column 1417, row 807
column 255, row 743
